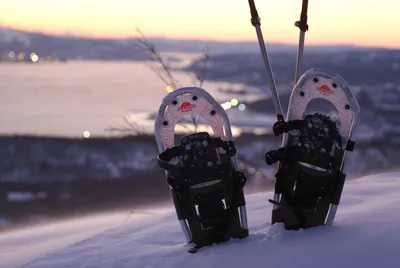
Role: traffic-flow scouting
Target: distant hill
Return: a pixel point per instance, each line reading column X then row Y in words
column 67, row 47
column 176, row 45
column 369, row 66
column 70, row 47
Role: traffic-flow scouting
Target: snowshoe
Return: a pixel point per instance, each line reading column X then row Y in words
column 322, row 116
column 205, row 183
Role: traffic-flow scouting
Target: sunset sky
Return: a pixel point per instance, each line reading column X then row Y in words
column 361, row 22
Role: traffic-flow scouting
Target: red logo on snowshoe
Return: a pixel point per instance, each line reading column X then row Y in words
column 325, row 90
column 186, row 107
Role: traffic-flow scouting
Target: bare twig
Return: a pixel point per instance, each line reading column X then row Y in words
column 206, row 58
column 134, row 129
column 159, row 74
column 164, row 73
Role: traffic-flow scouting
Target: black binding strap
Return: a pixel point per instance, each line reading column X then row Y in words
column 165, row 157
column 217, row 238
column 350, row 145
column 217, row 235
column 281, row 127
column 294, row 154
column 195, row 248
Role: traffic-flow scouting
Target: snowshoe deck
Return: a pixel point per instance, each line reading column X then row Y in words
column 322, row 116
column 205, row 183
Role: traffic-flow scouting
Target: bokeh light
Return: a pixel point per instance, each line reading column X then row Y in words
column 11, row 55
column 34, row 57
column 226, row 105
column 251, row 170
column 20, row 56
column 234, row 102
column 258, row 174
column 86, row 134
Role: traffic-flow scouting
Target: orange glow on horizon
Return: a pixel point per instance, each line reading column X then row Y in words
column 292, row 40
column 356, row 22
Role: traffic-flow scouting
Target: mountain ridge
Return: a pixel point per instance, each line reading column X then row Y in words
column 21, row 38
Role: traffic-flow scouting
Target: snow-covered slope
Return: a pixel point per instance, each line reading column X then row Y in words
column 365, row 234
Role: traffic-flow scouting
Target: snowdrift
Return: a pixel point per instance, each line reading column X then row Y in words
column 364, row 234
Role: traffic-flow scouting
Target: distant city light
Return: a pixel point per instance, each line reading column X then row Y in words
column 234, row 102
column 86, row 134
column 20, row 56
column 11, row 55
column 23, row 56
column 169, row 89
column 258, row 174
column 251, row 170
column 242, row 107
column 34, row 57
column 226, row 105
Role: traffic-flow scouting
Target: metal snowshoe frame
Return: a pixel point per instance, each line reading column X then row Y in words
column 312, row 85
column 324, row 77
column 193, row 101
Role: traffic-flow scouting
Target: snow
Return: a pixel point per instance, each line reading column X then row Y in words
column 364, row 234
column 21, row 246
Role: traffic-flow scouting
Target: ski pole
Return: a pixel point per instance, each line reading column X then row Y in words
column 256, row 22
column 303, row 26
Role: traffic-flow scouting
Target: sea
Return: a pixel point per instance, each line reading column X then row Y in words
column 71, row 98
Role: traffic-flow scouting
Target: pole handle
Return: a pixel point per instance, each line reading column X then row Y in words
column 302, row 23
column 255, row 19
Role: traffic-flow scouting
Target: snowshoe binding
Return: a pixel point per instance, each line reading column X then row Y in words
column 322, row 116
column 205, row 183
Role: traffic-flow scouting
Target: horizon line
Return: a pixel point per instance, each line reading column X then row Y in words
column 166, row 37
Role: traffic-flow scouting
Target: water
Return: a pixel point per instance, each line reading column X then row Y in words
column 66, row 99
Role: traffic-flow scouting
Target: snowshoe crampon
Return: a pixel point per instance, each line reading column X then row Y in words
column 205, row 183
column 322, row 116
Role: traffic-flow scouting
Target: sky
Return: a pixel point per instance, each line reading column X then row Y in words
column 359, row 22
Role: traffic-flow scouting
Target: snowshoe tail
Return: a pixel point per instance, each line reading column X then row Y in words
column 321, row 119
column 205, row 183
